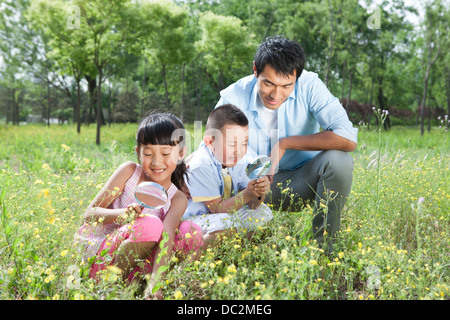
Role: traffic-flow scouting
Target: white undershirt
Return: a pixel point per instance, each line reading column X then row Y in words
column 270, row 118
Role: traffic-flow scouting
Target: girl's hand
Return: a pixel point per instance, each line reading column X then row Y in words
column 131, row 212
column 134, row 210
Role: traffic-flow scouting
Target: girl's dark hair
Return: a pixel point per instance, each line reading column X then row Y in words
column 159, row 129
column 282, row 54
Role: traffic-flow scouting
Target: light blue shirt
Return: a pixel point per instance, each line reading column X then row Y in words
column 205, row 181
column 309, row 107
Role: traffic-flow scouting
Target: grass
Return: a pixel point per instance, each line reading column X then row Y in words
column 393, row 243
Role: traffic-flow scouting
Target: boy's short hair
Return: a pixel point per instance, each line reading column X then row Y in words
column 283, row 55
column 226, row 114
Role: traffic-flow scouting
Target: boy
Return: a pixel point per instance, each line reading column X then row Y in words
column 222, row 196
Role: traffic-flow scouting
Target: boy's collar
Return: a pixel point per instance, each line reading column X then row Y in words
column 213, row 157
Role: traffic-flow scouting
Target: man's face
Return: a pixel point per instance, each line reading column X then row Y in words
column 274, row 88
column 231, row 145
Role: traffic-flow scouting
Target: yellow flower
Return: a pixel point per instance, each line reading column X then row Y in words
column 44, row 193
column 46, row 166
column 114, row 269
column 232, row 268
column 63, row 253
column 313, row 262
column 49, row 278
column 65, row 147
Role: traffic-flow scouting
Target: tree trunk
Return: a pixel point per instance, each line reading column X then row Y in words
column 166, row 91
column 424, row 97
column 48, row 102
column 109, row 107
column 91, row 88
column 382, row 102
column 221, row 82
column 99, row 106
column 15, row 107
column 369, row 114
column 343, row 77
column 78, row 106
column 182, row 91
column 198, row 91
column 331, row 44
column 143, row 90
column 447, row 91
column 350, row 78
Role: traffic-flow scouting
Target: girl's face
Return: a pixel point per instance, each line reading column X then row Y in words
column 160, row 161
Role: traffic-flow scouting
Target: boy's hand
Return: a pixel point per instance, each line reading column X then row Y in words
column 262, row 186
column 259, row 187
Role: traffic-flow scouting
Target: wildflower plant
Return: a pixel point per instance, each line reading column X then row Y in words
column 385, row 249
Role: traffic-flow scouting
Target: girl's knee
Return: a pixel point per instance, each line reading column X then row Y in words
column 190, row 234
column 147, row 229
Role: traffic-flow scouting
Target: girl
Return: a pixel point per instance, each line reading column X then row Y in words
column 161, row 161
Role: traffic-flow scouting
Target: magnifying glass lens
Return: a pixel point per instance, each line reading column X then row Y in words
column 151, row 195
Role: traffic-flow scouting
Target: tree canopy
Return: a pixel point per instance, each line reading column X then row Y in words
column 109, row 61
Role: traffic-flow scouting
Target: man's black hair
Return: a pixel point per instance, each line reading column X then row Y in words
column 226, row 114
column 283, row 55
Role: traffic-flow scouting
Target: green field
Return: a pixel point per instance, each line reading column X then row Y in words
column 393, row 244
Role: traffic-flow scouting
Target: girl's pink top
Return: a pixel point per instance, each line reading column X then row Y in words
column 91, row 237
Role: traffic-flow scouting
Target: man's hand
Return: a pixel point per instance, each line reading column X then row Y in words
column 275, row 156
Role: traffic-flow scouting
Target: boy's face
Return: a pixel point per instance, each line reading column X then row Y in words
column 230, row 145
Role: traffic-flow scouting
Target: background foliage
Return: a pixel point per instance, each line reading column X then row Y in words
column 111, row 61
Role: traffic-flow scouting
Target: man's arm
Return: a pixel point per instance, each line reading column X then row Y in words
column 325, row 140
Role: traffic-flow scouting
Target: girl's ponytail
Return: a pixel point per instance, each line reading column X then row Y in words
column 178, row 175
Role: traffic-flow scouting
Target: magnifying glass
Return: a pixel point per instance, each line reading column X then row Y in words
column 151, row 195
column 258, row 168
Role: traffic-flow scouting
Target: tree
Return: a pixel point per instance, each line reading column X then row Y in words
column 15, row 45
column 433, row 28
column 226, row 46
column 166, row 40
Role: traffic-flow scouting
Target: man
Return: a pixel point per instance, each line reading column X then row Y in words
column 287, row 107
